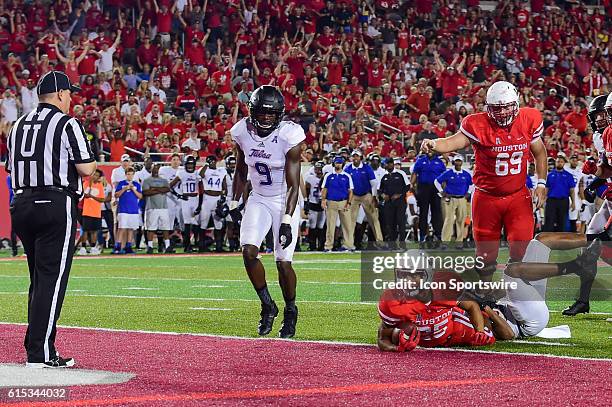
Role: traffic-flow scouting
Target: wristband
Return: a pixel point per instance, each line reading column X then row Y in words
column 286, row 219
column 541, row 182
column 233, row 205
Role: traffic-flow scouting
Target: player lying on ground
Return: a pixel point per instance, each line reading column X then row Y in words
column 268, row 150
column 441, row 321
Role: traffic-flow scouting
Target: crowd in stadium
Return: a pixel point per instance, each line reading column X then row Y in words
column 166, row 77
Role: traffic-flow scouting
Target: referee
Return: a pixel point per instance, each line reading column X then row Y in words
column 48, row 154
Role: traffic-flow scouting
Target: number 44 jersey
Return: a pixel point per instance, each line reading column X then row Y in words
column 265, row 157
column 502, row 154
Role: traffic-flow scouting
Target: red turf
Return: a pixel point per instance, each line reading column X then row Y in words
column 191, row 370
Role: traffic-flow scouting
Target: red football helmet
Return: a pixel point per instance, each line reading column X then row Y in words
column 502, row 103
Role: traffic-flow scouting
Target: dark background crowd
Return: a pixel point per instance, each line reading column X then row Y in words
column 168, row 76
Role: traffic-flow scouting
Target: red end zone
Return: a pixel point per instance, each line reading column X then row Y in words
column 189, row 370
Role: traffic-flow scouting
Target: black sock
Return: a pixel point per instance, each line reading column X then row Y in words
column 264, row 295
column 290, row 303
column 585, row 288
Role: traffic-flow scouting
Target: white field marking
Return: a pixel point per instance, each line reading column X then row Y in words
column 327, row 261
column 76, row 291
column 209, row 286
column 143, row 297
column 189, row 279
column 323, row 342
column 209, row 309
column 141, row 288
column 592, row 313
column 542, row 343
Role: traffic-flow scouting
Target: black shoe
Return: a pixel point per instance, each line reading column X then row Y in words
column 188, row 249
column 586, row 262
column 55, row 363
column 578, row 307
column 290, row 317
column 149, row 250
column 268, row 313
column 169, row 250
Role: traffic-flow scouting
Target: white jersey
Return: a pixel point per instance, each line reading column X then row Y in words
column 379, row 173
column 189, row 181
column 169, row 173
column 315, row 189
column 213, row 179
column 266, row 157
column 328, row 169
column 142, row 175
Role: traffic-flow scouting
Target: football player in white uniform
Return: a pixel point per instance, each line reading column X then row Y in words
column 191, row 187
column 233, row 230
column 314, row 210
column 268, row 149
column 174, row 206
column 214, row 181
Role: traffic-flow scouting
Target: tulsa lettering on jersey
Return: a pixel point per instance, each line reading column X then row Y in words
column 513, row 147
column 259, row 154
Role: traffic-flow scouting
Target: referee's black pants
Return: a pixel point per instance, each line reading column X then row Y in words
column 428, row 198
column 395, row 219
column 556, row 212
column 45, row 221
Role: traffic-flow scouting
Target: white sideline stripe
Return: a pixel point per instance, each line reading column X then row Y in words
column 197, row 298
column 323, row 342
column 188, row 279
column 67, row 236
column 141, row 288
column 327, row 261
column 209, row 286
column 209, row 309
column 542, row 343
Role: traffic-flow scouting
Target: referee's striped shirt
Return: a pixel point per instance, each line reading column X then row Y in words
column 43, row 147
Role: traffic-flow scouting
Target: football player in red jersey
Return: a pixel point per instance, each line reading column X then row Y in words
column 503, row 138
column 440, row 320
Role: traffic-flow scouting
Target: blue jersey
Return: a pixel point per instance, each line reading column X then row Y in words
column 128, row 201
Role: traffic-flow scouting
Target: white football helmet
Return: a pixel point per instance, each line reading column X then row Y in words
column 608, row 109
column 502, row 103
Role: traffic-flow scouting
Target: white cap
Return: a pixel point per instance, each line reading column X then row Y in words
column 458, row 157
column 125, row 157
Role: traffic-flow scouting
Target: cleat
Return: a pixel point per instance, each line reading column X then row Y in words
column 169, row 250
column 290, row 317
column 82, row 251
column 128, row 250
column 55, row 363
column 149, row 250
column 267, row 319
column 579, row 307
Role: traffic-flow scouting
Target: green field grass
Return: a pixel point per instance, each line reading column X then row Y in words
column 211, row 294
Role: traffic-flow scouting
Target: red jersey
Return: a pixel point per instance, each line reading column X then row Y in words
column 607, row 142
column 502, row 154
column 441, row 323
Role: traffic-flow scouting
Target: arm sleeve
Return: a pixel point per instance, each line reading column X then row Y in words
column 469, row 129
column 438, row 185
column 77, row 143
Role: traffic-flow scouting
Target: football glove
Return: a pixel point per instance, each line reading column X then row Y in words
column 235, row 215
column 590, row 192
column 284, row 235
column 408, row 342
column 589, row 167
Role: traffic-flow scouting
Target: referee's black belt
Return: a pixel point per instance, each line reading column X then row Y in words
column 34, row 190
column 457, row 196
